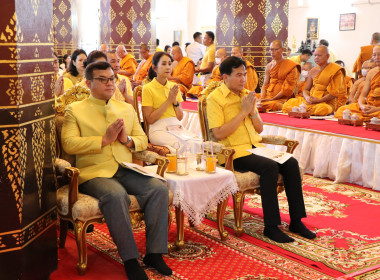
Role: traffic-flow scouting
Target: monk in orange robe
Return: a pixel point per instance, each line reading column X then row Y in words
column 349, row 83
column 183, row 72
column 305, row 69
column 220, row 55
column 128, row 63
column 324, row 85
column 143, row 68
column 357, row 87
column 281, row 76
column 365, row 53
column 368, row 105
column 252, row 79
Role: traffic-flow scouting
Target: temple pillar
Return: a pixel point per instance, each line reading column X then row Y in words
column 252, row 25
column 64, row 19
column 28, row 216
column 127, row 22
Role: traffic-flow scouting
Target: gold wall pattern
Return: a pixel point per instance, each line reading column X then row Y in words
column 63, row 38
column 28, row 190
column 126, row 22
column 252, row 25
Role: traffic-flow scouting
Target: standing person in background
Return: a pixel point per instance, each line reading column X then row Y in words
column 208, row 59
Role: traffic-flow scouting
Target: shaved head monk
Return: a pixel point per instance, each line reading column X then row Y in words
column 183, row 72
column 359, row 84
column 128, row 63
column 324, row 85
column 143, row 68
column 368, row 105
column 366, row 53
column 252, row 79
column 281, row 77
column 104, row 48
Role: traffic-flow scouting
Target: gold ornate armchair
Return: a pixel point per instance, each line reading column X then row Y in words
column 83, row 210
column 248, row 182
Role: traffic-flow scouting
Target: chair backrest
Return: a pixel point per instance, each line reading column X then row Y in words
column 59, row 118
column 137, row 94
column 202, row 112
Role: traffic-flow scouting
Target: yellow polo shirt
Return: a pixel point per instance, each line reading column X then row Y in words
column 296, row 59
column 154, row 95
column 209, row 56
column 222, row 106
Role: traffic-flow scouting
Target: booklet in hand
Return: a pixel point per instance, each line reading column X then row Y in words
column 277, row 156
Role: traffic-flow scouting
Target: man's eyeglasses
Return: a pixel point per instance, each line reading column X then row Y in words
column 105, row 80
column 274, row 50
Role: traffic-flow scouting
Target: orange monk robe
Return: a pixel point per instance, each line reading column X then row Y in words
column 252, row 79
column 343, row 99
column 215, row 77
column 129, row 64
column 143, row 69
column 365, row 54
column 357, row 89
column 373, row 99
column 184, row 70
column 329, row 81
column 283, row 78
column 300, row 88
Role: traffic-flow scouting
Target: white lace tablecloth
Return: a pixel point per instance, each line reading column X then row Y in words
column 199, row 193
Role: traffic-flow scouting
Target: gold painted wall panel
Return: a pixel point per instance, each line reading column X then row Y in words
column 63, row 35
column 27, row 141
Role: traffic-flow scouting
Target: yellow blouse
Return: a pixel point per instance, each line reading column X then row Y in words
column 74, row 79
column 154, row 95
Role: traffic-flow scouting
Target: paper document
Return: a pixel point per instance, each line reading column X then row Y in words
column 180, row 132
column 277, row 156
column 140, row 169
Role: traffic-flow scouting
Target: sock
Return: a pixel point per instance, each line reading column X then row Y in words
column 156, row 261
column 134, row 270
column 298, row 227
column 274, row 233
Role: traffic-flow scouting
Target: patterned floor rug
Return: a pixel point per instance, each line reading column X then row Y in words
column 345, row 219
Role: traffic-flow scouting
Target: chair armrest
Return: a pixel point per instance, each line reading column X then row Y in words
column 60, row 165
column 280, row 140
column 154, row 158
column 228, row 156
column 73, row 174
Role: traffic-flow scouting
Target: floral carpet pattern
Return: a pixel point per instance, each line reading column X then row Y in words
column 344, row 217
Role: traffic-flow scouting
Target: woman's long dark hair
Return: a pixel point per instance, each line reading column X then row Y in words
column 155, row 60
column 72, row 69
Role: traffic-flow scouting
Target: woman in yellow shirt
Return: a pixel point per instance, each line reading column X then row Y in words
column 76, row 68
column 161, row 104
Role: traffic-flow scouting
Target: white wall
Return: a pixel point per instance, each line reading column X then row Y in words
column 186, row 15
column 345, row 44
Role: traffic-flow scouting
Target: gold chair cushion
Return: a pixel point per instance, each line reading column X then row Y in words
column 87, row 206
column 247, row 180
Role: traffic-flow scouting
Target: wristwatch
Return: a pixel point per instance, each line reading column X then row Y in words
column 176, row 105
column 128, row 141
column 254, row 116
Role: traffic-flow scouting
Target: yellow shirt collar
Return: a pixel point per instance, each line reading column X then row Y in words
column 96, row 101
column 156, row 84
column 226, row 91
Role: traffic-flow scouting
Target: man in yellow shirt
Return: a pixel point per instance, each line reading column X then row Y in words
column 303, row 57
column 128, row 63
column 102, row 132
column 209, row 58
column 235, row 122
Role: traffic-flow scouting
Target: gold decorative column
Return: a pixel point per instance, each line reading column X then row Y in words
column 63, row 29
column 252, row 25
column 127, row 22
column 28, row 239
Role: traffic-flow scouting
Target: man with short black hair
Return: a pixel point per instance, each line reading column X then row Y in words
column 235, row 122
column 303, row 57
column 196, row 51
column 102, row 132
column 209, row 58
column 324, row 42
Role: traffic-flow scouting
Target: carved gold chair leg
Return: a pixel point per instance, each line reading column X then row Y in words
column 238, row 199
column 179, row 216
column 80, row 234
column 63, row 226
column 219, row 218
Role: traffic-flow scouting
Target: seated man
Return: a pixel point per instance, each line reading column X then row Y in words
column 303, row 57
column 324, row 84
column 281, row 76
column 359, row 84
column 183, row 73
column 306, row 67
column 144, row 66
column 220, row 55
column 123, row 84
column 252, row 79
column 128, row 63
column 102, row 132
column 368, row 105
column 234, row 121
